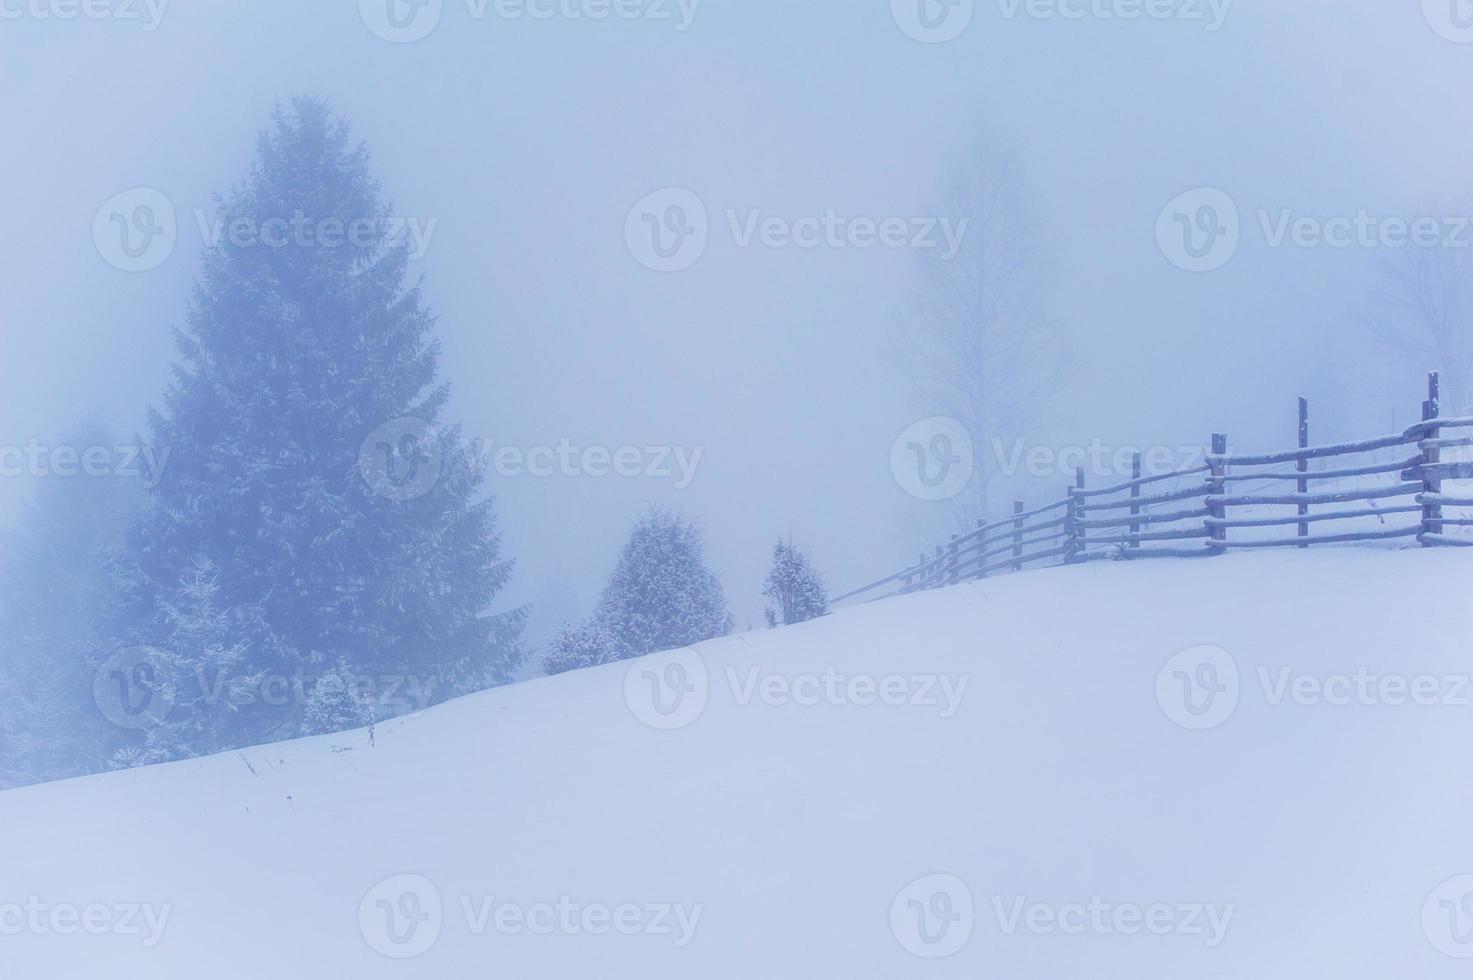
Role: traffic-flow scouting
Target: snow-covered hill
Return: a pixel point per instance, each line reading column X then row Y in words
column 1258, row 766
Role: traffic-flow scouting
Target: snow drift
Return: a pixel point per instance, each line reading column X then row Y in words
column 1253, row 766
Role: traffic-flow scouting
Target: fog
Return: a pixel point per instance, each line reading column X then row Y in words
column 522, row 144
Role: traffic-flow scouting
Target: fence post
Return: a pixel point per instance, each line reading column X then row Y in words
column 1431, row 409
column 1071, row 516
column 953, row 561
column 1135, row 494
column 1217, row 487
column 1079, row 509
column 981, row 548
column 1074, row 546
column 1017, row 535
column 940, row 568
column 1303, row 467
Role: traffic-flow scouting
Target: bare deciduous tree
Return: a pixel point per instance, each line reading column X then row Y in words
column 980, row 345
column 1422, row 310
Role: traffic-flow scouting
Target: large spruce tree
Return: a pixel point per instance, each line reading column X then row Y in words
column 340, row 523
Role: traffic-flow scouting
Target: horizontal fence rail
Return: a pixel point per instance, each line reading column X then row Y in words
column 1213, row 508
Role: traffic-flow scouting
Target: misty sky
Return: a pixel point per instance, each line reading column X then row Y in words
column 527, row 142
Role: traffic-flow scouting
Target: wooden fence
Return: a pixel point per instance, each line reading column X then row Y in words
column 1215, row 507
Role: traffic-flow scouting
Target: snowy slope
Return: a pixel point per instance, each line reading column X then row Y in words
column 768, row 839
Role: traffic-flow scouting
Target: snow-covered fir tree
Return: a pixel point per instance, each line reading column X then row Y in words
column 213, row 685
column 341, row 520
column 337, row 703
column 582, row 645
column 661, row 596
column 794, row 587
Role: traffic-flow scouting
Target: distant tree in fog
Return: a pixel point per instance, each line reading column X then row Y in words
column 980, row 344
column 1421, row 310
column 58, row 617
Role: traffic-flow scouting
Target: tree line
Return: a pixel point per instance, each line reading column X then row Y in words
column 316, row 521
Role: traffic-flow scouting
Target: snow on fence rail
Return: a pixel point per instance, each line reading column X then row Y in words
column 1203, row 513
